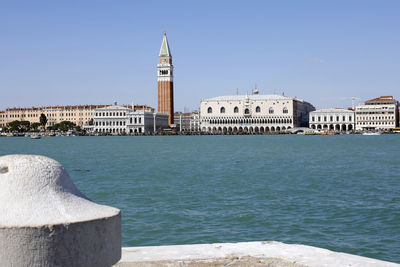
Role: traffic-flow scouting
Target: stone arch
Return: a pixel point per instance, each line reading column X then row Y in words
column 313, row 126
column 278, row 129
column 272, row 129
column 350, row 127
column 266, row 129
column 224, row 130
column 319, row 127
column 261, row 129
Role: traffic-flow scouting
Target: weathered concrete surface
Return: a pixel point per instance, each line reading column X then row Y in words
column 246, row 261
column 46, row 221
column 243, row 254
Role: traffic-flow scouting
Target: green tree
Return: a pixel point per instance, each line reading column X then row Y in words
column 66, row 125
column 43, row 120
column 18, row 126
column 35, row 126
column 25, row 126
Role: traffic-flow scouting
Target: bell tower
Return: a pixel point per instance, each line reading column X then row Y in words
column 165, row 79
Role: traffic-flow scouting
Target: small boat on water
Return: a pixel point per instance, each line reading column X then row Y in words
column 35, row 136
column 371, row 133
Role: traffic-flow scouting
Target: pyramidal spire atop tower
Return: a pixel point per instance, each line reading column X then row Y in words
column 164, row 50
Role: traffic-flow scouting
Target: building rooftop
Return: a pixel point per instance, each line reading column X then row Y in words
column 251, row 97
column 112, row 107
column 327, row 110
column 381, row 100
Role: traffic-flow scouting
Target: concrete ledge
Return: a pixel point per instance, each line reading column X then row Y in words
column 268, row 253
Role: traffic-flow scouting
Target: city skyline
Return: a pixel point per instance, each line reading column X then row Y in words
column 99, row 51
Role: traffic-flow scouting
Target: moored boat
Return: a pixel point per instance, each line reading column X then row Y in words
column 371, row 133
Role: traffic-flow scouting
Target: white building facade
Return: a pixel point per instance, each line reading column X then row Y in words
column 187, row 122
column 253, row 113
column 333, row 119
column 111, row 119
column 378, row 114
column 146, row 121
column 117, row 120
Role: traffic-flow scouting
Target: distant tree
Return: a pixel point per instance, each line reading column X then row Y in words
column 66, row 125
column 25, row 126
column 43, row 120
column 78, row 128
column 63, row 126
column 18, row 126
column 35, row 126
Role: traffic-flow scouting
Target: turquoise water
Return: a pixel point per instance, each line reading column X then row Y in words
column 336, row 192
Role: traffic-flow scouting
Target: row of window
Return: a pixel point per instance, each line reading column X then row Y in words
column 375, row 112
column 374, row 123
column 376, row 118
column 109, row 114
column 110, row 123
column 331, row 118
column 246, row 111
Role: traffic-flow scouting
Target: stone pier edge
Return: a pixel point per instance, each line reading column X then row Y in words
column 288, row 254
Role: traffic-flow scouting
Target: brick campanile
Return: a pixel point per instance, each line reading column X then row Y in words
column 165, row 79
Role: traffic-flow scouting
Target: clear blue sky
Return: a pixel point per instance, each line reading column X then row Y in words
column 91, row 52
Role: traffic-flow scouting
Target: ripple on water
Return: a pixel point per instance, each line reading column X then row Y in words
column 336, row 192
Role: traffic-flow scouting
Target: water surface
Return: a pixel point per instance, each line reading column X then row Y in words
column 336, row 192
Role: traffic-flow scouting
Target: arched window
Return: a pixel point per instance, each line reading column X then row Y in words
column 236, row 110
column 271, row 111
column 285, row 110
column 246, row 111
column 258, row 109
column 222, row 110
column 209, row 110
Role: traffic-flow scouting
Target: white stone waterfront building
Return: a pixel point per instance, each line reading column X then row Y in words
column 378, row 114
column 111, row 119
column 332, row 119
column 117, row 119
column 146, row 121
column 253, row 113
column 187, row 122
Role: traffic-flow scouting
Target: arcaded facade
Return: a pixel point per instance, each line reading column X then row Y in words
column 253, row 113
column 333, row 119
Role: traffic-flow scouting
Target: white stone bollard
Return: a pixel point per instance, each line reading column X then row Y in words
column 46, row 221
